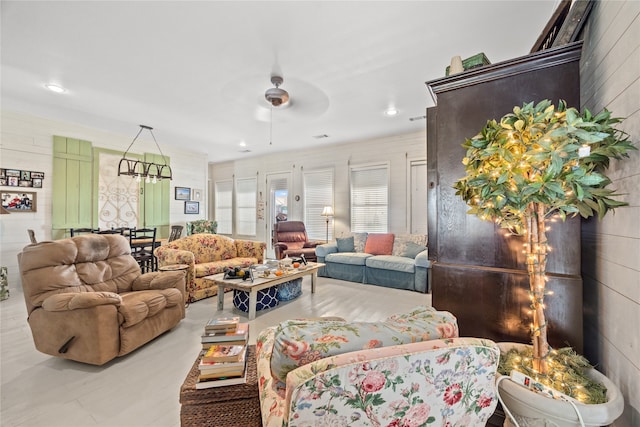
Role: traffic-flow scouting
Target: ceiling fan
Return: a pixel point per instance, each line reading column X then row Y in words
column 275, row 96
column 253, row 96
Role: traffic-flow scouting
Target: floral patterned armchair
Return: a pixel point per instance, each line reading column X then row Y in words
column 208, row 254
column 446, row 381
column 201, row 226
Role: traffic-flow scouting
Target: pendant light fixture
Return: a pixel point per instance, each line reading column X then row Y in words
column 151, row 172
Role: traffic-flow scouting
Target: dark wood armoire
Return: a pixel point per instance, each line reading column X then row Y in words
column 478, row 273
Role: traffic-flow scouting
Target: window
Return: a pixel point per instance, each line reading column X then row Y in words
column 223, row 207
column 370, row 198
column 318, row 193
column 246, row 206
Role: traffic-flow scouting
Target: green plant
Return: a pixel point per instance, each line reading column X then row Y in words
column 537, row 162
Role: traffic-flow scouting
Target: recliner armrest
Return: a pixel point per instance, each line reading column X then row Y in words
column 159, row 280
column 73, row 301
column 312, row 244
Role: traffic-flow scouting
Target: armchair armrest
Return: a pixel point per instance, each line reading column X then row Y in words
column 472, row 362
column 73, row 301
column 312, row 244
column 251, row 249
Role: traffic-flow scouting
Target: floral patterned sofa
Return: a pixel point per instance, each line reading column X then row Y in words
column 409, row 370
column 208, row 254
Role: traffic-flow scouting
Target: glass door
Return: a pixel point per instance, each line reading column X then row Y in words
column 278, row 204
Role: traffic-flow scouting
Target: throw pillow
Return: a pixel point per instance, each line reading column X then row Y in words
column 411, row 250
column 401, row 240
column 345, row 244
column 359, row 239
column 379, row 244
column 298, row 342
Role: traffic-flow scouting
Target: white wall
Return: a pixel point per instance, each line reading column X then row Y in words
column 26, row 142
column 397, row 150
column 610, row 77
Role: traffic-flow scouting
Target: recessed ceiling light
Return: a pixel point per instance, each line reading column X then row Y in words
column 391, row 112
column 243, row 144
column 55, row 88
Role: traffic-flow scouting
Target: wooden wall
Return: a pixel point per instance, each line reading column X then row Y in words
column 610, row 77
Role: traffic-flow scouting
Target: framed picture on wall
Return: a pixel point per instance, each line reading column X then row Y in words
column 191, row 207
column 196, row 194
column 19, row 201
column 183, row 193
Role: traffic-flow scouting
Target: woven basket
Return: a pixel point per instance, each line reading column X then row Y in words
column 229, row 406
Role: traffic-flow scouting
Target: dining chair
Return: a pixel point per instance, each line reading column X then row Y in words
column 76, row 231
column 143, row 243
column 32, row 236
column 176, row 232
column 111, row 231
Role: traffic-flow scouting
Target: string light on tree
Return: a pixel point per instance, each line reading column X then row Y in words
column 536, row 164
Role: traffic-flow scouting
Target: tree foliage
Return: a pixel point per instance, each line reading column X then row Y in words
column 542, row 154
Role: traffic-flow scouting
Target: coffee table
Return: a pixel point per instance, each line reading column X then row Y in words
column 260, row 283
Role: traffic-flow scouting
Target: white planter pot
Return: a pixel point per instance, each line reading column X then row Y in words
column 534, row 409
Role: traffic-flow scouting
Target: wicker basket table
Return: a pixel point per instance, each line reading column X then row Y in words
column 229, row 406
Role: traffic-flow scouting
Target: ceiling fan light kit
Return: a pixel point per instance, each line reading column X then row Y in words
column 276, row 96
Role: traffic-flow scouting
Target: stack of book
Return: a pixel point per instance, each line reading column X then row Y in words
column 224, row 350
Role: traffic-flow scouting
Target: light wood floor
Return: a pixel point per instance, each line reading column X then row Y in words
column 142, row 388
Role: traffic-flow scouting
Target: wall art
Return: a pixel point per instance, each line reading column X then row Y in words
column 191, row 207
column 183, row 193
column 196, row 194
column 20, row 178
column 19, row 201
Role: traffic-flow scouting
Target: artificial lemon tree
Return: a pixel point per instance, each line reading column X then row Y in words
column 537, row 162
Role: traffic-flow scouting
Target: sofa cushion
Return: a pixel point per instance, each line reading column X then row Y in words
column 359, row 240
column 352, row 258
column 402, row 240
column 390, row 262
column 298, row 342
column 379, row 244
column 411, row 250
column 345, row 244
column 216, row 267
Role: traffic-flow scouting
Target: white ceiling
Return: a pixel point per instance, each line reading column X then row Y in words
column 197, row 71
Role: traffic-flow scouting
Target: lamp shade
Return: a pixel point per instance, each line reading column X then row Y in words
column 327, row 211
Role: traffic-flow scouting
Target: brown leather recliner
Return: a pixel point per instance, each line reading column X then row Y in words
column 88, row 301
column 290, row 240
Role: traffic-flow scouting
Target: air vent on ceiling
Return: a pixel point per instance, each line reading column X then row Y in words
column 246, row 150
column 321, row 136
column 413, row 119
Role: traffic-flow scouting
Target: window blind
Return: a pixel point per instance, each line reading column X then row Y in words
column 246, row 206
column 223, row 207
column 370, row 199
column 318, row 193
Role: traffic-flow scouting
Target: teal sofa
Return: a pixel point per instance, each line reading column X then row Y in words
column 396, row 261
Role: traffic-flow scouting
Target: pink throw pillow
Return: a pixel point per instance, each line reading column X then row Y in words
column 379, row 244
